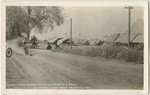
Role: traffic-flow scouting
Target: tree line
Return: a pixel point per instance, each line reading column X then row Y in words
column 22, row 19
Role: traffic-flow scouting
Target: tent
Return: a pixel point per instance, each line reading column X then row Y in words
column 137, row 33
column 113, row 37
column 93, row 43
column 65, row 41
column 56, row 40
column 86, row 43
column 62, row 41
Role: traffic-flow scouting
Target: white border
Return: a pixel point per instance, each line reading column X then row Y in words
column 78, row 3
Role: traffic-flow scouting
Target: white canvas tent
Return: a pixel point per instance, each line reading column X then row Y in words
column 113, row 37
column 137, row 33
column 62, row 40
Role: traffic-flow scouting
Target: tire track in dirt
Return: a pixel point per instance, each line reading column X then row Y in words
column 47, row 67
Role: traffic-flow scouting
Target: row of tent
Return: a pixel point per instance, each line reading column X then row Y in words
column 67, row 41
column 136, row 36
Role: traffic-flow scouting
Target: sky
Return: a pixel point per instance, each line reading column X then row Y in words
column 94, row 21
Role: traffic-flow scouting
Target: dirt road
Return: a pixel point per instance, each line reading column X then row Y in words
column 47, row 67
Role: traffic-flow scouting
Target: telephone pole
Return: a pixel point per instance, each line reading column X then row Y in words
column 71, row 33
column 129, row 21
column 105, row 37
column 65, row 35
column 79, row 36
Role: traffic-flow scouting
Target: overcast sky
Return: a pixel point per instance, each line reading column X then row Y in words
column 95, row 22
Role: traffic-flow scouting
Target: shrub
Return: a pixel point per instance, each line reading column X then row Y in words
column 133, row 56
column 108, row 52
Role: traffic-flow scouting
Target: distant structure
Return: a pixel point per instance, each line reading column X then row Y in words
column 136, row 36
column 137, row 33
column 113, row 37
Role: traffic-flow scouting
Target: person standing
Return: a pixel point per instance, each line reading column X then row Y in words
column 34, row 44
column 49, row 47
column 26, row 45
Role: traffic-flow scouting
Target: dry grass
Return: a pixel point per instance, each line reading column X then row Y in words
column 108, row 52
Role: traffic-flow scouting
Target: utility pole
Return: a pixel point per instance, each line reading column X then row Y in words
column 129, row 21
column 71, row 33
column 105, row 38
column 65, row 35
column 79, row 36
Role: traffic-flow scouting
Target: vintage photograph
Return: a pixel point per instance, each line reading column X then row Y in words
column 75, row 47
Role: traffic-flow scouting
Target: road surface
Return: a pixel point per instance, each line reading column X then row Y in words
column 68, row 70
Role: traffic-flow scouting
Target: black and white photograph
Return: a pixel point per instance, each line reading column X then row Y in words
column 74, row 47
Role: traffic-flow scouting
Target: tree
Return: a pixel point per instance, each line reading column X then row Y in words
column 14, row 23
column 34, row 17
column 44, row 18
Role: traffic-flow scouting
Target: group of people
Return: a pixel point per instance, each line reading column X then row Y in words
column 26, row 42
